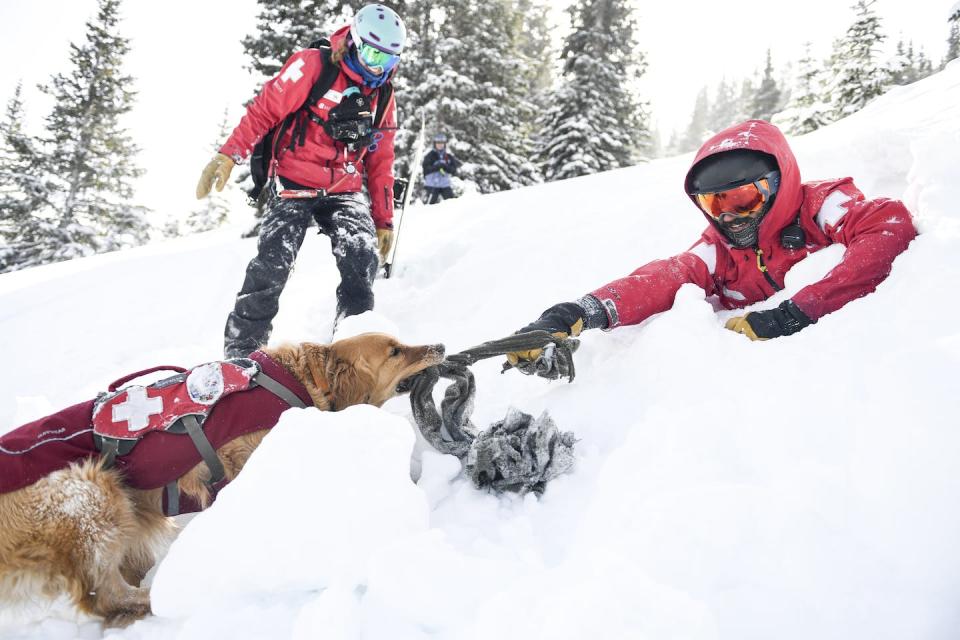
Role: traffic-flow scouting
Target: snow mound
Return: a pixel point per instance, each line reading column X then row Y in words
column 322, row 493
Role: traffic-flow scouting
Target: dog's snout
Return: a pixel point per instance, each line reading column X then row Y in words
column 437, row 350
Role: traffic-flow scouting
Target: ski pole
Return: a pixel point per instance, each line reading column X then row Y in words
column 414, row 164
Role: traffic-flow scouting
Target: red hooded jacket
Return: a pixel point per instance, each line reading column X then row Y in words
column 830, row 211
column 321, row 163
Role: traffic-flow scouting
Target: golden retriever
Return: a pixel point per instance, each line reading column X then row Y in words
column 82, row 532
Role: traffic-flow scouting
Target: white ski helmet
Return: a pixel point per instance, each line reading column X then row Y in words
column 380, row 26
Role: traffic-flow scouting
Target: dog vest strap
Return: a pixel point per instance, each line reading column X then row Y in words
column 108, row 449
column 173, row 499
column 279, row 390
column 206, row 450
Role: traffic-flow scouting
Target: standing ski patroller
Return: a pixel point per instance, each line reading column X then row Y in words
column 438, row 167
column 321, row 150
column 762, row 221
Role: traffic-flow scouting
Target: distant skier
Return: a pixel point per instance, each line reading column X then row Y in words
column 762, row 221
column 439, row 165
column 319, row 172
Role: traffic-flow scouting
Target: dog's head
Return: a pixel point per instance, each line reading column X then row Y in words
column 367, row 368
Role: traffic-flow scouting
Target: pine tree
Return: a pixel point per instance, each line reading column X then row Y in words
column 594, row 123
column 723, row 110
column 411, row 81
column 25, row 191
column 903, row 66
column 953, row 40
column 745, row 100
column 767, row 97
column 857, row 76
column 924, row 65
column 214, row 210
column 805, row 112
column 698, row 130
column 286, row 26
column 474, row 90
column 92, row 156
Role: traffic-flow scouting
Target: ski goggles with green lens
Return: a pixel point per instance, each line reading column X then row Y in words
column 375, row 59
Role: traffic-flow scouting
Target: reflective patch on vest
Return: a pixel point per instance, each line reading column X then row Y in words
column 612, row 312
column 733, row 295
column 833, row 210
column 333, row 96
column 708, row 253
column 132, row 412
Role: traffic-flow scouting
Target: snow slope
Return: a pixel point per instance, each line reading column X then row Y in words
column 799, row 488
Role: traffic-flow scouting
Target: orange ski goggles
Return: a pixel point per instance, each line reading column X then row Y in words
column 742, row 201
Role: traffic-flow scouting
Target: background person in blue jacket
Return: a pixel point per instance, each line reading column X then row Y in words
column 438, row 166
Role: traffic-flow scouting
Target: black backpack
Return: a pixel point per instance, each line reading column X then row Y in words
column 265, row 150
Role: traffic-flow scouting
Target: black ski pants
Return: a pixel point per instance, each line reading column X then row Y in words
column 436, row 194
column 345, row 219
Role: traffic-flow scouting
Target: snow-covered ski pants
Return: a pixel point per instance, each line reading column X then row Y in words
column 345, row 219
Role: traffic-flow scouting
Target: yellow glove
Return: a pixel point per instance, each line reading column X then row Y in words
column 384, row 242
column 740, row 325
column 219, row 168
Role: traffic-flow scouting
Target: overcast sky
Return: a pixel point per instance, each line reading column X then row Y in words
column 187, row 61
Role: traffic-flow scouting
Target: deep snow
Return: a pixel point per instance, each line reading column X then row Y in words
column 800, row 488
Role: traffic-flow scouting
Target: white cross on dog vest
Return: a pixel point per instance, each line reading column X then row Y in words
column 132, row 412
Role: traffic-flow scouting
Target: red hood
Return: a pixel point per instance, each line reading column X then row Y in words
column 336, row 40
column 758, row 135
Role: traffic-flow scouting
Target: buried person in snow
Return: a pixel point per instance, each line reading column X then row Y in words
column 324, row 123
column 762, row 221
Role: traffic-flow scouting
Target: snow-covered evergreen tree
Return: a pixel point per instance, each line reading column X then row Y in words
column 724, row 108
column 767, row 98
column 286, row 26
column 91, row 155
column 953, row 40
column 475, row 91
column 924, row 65
column 414, row 82
column 805, row 112
column 908, row 66
column 593, row 121
column 26, row 231
column 214, row 210
column 857, row 75
column 699, row 127
column 745, row 100
column 902, row 66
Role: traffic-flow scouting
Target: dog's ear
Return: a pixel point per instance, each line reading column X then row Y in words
column 351, row 380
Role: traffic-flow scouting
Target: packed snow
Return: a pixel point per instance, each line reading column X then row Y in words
column 801, row 488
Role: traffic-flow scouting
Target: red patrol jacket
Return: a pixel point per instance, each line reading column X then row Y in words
column 321, row 163
column 34, row 450
column 830, row 211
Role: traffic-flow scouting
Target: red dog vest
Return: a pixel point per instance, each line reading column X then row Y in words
column 226, row 397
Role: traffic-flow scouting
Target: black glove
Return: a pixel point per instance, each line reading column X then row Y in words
column 785, row 320
column 562, row 320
